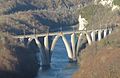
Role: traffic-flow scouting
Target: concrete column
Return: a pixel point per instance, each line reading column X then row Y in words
column 88, row 39
column 73, row 45
column 46, row 49
column 93, row 35
column 54, row 42
column 46, row 43
column 110, row 30
column 41, row 57
column 44, row 61
column 78, row 42
column 105, row 33
column 69, row 52
column 99, row 35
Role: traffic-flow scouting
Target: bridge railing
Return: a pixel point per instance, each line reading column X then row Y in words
column 64, row 30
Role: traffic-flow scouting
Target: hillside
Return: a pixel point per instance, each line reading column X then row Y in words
column 11, row 6
column 102, row 58
column 24, row 16
column 16, row 61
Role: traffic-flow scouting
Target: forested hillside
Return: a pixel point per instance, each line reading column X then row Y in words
column 8, row 6
column 102, row 58
column 24, row 16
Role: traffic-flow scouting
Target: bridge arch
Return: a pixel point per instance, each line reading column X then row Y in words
column 55, row 39
column 66, row 44
column 46, row 45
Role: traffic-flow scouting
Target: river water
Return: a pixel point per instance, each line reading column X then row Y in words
column 60, row 67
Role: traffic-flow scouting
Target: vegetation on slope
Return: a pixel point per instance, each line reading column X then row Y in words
column 39, row 20
column 98, row 16
column 16, row 61
column 19, row 16
column 23, row 16
column 11, row 6
column 101, row 59
column 116, row 2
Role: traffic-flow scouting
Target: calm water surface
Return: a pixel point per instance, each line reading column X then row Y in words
column 60, row 67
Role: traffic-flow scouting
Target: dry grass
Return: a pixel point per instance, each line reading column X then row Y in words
column 15, row 58
column 103, row 64
column 101, row 59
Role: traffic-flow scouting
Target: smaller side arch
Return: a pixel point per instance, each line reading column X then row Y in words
column 88, row 38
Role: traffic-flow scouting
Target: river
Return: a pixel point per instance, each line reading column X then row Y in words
column 60, row 67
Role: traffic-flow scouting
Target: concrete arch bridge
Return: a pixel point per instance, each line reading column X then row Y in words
column 47, row 41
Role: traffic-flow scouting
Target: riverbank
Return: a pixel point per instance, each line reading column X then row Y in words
column 16, row 61
column 101, row 59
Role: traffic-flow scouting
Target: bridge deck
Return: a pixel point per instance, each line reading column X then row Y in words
column 53, row 33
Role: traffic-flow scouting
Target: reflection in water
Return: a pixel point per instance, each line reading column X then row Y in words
column 60, row 67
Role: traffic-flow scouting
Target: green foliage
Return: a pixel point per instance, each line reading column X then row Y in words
column 116, row 2
column 96, row 15
column 88, row 12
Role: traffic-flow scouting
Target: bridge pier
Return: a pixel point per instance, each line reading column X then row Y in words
column 105, row 33
column 69, row 51
column 93, row 36
column 54, row 42
column 78, row 43
column 46, row 49
column 99, row 35
column 42, row 58
column 73, row 46
column 110, row 30
column 88, row 39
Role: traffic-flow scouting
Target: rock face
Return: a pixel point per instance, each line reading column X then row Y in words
column 16, row 61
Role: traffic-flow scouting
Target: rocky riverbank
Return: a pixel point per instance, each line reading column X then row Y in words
column 101, row 59
column 16, row 61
